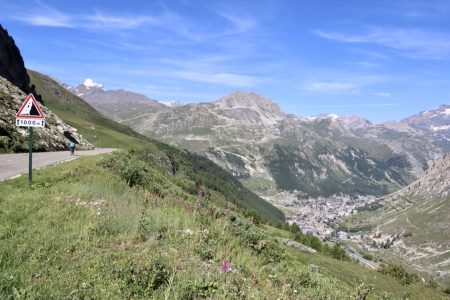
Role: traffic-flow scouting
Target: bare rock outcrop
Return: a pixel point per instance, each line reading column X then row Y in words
column 12, row 66
column 55, row 136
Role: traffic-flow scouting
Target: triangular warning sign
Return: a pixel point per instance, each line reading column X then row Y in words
column 30, row 109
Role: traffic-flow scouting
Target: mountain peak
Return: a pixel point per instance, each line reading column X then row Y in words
column 435, row 120
column 250, row 107
column 248, row 100
column 243, row 98
column 88, row 83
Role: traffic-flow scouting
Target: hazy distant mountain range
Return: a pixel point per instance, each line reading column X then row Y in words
column 271, row 151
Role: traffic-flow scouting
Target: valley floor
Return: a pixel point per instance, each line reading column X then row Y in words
column 319, row 216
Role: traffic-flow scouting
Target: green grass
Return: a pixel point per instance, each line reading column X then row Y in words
column 374, row 149
column 104, row 132
column 351, row 273
column 96, row 128
column 81, row 231
column 263, row 186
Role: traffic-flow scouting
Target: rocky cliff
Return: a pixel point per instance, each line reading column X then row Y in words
column 55, row 136
column 12, row 66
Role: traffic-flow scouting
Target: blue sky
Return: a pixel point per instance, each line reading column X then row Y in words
column 378, row 59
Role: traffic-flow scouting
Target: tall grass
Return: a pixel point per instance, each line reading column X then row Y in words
column 81, row 232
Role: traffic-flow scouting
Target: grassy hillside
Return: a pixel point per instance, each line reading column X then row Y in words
column 95, row 228
column 104, row 132
column 96, row 128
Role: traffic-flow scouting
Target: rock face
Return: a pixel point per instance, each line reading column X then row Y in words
column 251, row 137
column 119, row 103
column 415, row 222
column 250, row 108
column 434, row 184
column 55, row 136
column 417, row 145
column 12, row 66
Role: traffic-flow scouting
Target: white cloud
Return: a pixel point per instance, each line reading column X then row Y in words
column 100, row 20
column 229, row 79
column 240, row 24
column 329, row 86
column 187, row 28
column 45, row 15
column 382, row 94
column 413, row 43
column 357, row 105
column 50, row 21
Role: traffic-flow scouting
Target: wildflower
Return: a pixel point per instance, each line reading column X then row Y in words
column 225, row 266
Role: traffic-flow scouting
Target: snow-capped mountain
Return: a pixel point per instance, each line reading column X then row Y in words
column 433, row 120
column 89, row 83
column 250, row 136
column 87, row 88
column 173, row 103
column 119, row 103
column 434, row 123
column 422, row 137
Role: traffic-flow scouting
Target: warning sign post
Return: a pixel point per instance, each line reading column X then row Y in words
column 30, row 115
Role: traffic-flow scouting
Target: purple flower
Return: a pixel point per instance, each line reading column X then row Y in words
column 225, row 267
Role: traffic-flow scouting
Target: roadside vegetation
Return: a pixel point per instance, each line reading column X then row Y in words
column 123, row 226
column 157, row 222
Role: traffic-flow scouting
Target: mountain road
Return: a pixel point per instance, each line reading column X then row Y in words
column 15, row 164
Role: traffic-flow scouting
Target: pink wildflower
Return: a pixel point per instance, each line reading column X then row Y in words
column 226, row 266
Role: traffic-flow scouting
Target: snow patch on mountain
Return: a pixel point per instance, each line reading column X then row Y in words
column 171, row 103
column 439, row 128
column 88, row 82
column 446, row 112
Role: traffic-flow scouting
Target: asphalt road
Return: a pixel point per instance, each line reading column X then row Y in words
column 12, row 165
column 362, row 261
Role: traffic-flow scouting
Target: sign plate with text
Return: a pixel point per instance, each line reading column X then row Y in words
column 30, row 114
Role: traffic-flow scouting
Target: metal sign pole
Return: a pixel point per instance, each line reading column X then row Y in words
column 30, row 115
column 30, row 155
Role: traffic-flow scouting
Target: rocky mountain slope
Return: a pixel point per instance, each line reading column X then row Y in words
column 14, row 87
column 55, row 136
column 412, row 224
column 251, row 137
column 417, row 145
column 12, row 66
column 116, row 103
column 434, row 124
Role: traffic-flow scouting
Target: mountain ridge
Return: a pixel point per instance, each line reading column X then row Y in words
column 248, row 134
column 411, row 224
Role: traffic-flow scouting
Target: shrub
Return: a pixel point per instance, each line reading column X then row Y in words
column 197, row 289
column 141, row 281
column 399, row 272
column 149, row 227
column 432, row 283
column 447, row 290
column 363, row 290
column 338, row 252
column 368, row 256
